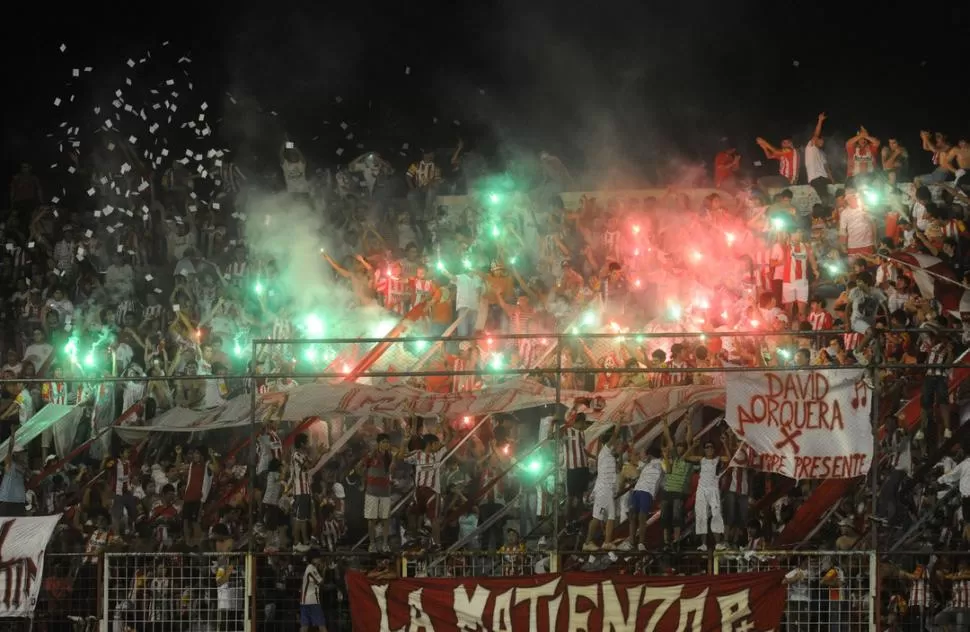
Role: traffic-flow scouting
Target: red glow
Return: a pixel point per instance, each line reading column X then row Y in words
column 695, row 256
column 755, row 324
column 730, row 238
column 637, row 283
column 346, row 368
column 488, row 341
column 636, row 252
column 636, row 229
column 505, row 450
column 468, row 421
column 724, row 315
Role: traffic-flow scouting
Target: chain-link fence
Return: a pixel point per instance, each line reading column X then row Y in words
column 827, row 590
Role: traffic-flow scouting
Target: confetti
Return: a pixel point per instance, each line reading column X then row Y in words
column 75, row 72
column 88, row 233
column 132, row 139
column 407, row 70
column 97, row 213
column 795, row 63
column 290, row 145
column 340, row 152
column 157, row 290
column 456, row 122
column 344, row 125
column 30, row 244
column 57, row 101
column 63, row 48
column 757, row 163
column 108, row 210
column 339, row 99
column 405, row 145
column 91, row 192
column 175, row 307
column 121, row 248
column 131, row 63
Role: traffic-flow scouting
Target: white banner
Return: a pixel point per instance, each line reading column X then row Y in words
column 22, row 545
column 803, row 424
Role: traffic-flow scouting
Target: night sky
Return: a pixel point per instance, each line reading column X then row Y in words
column 632, row 82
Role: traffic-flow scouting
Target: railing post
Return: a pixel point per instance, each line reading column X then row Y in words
column 105, row 573
column 555, row 452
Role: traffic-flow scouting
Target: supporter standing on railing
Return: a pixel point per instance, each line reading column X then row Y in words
column 197, row 475
column 675, row 485
column 576, row 462
column 124, row 508
column 644, row 497
column 377, row 468
column 707, row 504
column 604, row 490
column 427, row 481
column 13, row 491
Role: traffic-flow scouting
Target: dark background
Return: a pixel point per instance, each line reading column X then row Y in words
column 639, row 85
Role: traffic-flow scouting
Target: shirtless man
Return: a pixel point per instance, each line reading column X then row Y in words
column 937, row 145
column 957, row 160
column 895, row 160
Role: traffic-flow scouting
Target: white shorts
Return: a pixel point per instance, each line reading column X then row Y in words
column 795, row 292
column 377, row 507
column 604, row 505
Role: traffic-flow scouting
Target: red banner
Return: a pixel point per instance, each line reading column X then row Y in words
column 753, row 602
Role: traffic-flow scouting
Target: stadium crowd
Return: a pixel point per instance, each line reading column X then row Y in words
column 175, row 290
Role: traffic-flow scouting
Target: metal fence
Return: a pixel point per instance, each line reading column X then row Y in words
column 827, row 590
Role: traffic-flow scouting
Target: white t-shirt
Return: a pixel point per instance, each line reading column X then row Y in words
column 865, row 306
column 857, row 226
column 309, row 593
column 815, row 162
column 38, row 354
column 798, row 590
column 708, row 475
column 920, row 216
column 468, row 291
column 649, row 479
column 605, row 471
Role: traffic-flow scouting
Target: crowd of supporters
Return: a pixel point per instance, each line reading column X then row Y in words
column 175, row 291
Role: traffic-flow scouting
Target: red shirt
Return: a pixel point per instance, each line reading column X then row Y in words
column 723, row 167
column 193, row 483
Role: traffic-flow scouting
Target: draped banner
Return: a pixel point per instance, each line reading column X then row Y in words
column 22, row 545
column 805, row 424
column 621, row 405
column 753, row 602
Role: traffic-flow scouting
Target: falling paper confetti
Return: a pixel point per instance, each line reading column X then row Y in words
column 795, row 63
column 407, row 70
column 63, row 48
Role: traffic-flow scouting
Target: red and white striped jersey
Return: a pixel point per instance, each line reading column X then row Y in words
column 495, row 492
column 463, row 383
column 761, row 263
column 851, row 340
column 310, row 589
column 820, row 321
column 520, row 319
column 237, row 271
column 675, row 379
column 937, row 355
column 796, row 263
column 574, row 449
column 55, row 392
column 95, row 544
column 300, row 473
column 427, row 471
column 788, row 164
column 330, row 532
column 422, row 289
column 123, row 478
column 919, row 593
column 960, row 597
column 395, row 292
column 862, row 159
column 282, row 329
column 611, row 244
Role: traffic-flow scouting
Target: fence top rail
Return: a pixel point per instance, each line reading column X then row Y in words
column 167, row 554
column 790, row 553
column 485, row 371
column 555, row 335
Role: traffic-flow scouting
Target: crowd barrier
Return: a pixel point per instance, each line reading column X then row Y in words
column 260, row 591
